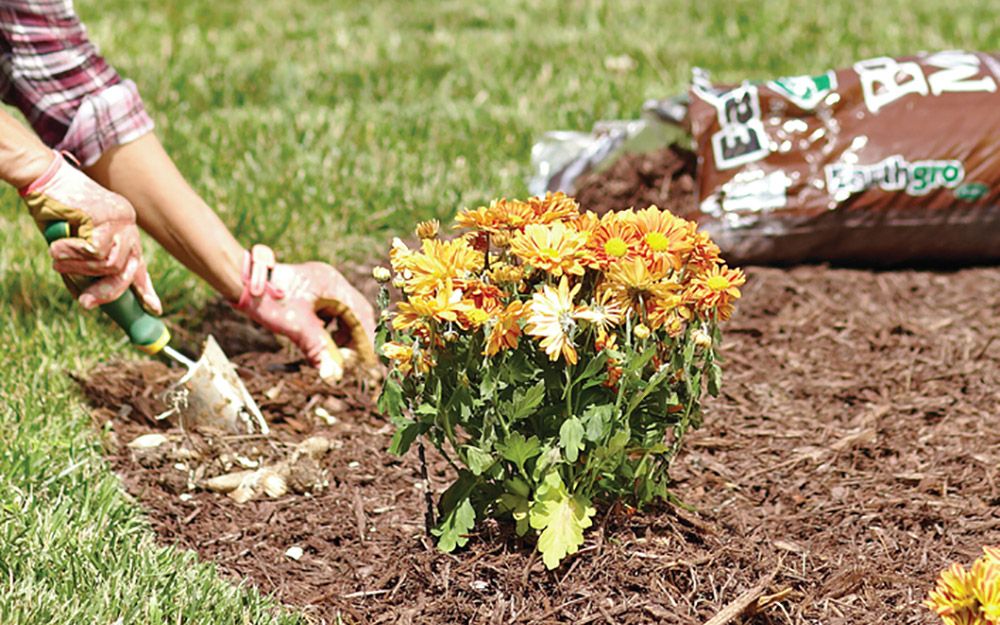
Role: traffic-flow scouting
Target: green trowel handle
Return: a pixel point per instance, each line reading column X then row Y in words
column 148, row 333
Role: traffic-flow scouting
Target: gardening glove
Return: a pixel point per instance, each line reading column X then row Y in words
column 105, row 239
column 289, row 300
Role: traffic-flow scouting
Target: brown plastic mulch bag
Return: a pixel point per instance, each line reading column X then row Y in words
column 891, row 160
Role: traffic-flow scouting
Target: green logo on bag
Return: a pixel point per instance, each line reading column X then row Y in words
column 805, row 92
column 972, row 191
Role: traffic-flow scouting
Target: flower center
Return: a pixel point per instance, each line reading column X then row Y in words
column 616, row 247
column 657, row 242
column 718, row 283
column 549, row 252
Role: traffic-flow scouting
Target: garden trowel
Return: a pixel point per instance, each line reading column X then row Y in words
column 210, row 393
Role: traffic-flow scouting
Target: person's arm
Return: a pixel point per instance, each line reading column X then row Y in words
column 170, row 210
column 23, row 157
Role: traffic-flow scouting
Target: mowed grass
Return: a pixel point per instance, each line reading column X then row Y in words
column 324, row 129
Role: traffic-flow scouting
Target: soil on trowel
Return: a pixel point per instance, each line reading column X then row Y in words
column 852, row 455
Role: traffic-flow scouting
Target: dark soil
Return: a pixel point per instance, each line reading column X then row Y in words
column 852, row 456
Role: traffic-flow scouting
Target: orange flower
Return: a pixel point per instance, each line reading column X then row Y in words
column 550, row 317
column 704, row 253
column 506, row 329
column 553, row 207
column 615, row 239
column 716, row 289
column 664, row 237
column 500, row 216
column 554, row 248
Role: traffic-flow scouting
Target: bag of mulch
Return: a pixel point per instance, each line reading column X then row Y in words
column 891, row 160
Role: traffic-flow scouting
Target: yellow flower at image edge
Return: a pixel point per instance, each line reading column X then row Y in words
column 550, row 318
column 953, row 599
column 985, row 582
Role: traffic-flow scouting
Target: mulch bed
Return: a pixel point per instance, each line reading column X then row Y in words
column 852, row 455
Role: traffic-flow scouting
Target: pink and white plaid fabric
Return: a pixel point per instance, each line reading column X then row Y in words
column 55, row 75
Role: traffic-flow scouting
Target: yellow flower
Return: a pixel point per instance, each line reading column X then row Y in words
column 550, row 317
column 716, row 289
column 402, row 358
column 400, row 256
column 439, row 261
column 419, row 310
column 664, row 237
column 553, row 248
column 953, row 599
column 506, row 330
column 985, row 581
column 632, row 285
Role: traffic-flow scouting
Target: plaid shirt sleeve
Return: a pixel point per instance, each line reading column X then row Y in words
column 55, row 75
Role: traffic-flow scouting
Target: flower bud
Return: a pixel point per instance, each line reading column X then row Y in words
column 428, row 229
column 500, row 239
column 701, row 338
column 381, row 274
column 398, row 282
column 641, row 331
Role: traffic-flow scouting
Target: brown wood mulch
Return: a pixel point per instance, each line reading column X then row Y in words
column 852, row 456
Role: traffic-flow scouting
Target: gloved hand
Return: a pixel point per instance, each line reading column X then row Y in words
column 107, row 239
column 289, row 300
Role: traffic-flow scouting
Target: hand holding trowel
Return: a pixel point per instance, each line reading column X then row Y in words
column 91, row 232
column 211, row 391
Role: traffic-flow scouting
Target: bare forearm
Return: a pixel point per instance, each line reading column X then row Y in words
column 23, row 157
column 170, row 210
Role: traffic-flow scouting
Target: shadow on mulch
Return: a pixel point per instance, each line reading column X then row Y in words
column 852, row 456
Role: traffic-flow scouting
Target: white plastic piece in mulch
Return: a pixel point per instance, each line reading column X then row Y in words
column 148, row 441
column 294, row 553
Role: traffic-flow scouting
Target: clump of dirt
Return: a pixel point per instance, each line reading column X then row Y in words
column 851, row 457
column 663, row 178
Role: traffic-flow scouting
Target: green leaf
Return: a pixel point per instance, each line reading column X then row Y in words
column 390, row 401
column 405, row 435
column 518, row 507
column 598, row 420
column 571, row 438
column 519, row 450
column 526, row 404
column 714, row 375
column 595, row 365
column 561, row 517
column 452, row 531
column 458, row 517
column 477, row 460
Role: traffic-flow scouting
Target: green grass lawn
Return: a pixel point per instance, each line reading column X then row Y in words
column 324, row 129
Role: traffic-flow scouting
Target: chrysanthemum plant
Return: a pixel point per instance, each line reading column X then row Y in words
column 555, row 358
column 969, row 597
